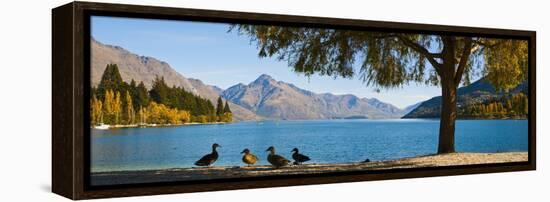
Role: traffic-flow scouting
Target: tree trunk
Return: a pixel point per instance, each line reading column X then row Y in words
column 448, row 97
column 448, row 117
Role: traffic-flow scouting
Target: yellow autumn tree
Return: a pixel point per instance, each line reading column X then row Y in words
column 96, row 111
column 184, row 116
column 129, row 115
column 172, row 115
column 142, row 115
column 226, row 117
column 154, row 112
column 118, row 108
column 108, row 109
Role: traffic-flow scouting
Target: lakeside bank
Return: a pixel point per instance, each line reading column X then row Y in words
column 220, row 172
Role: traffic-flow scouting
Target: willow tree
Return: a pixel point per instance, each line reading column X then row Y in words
column 385, row 60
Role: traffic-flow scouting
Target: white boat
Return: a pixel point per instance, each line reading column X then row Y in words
column 102, row 127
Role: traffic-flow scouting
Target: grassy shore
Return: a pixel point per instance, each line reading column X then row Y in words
column 215, row 172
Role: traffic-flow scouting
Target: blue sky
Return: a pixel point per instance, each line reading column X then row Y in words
column 207, row 51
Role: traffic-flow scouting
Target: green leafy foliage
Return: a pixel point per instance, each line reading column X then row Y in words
column 388, row 60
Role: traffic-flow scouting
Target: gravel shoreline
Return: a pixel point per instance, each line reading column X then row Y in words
column 205, row 173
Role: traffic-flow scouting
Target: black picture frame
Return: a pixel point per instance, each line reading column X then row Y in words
column 71, row 83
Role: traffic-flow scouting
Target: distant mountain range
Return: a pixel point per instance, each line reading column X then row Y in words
column 279, row 100
column 478, row 92
column 264, row 98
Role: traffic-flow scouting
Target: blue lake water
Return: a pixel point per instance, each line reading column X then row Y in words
column 324, row 141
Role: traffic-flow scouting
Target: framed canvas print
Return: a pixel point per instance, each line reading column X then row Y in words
column 155, row 100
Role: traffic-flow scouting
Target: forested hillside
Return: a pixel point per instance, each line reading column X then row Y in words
column 117, row 102
column 480, row 100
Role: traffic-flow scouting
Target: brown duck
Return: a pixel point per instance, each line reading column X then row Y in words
column 209, row 159
column 276, row 160
column 299, row 158
column 248, row 157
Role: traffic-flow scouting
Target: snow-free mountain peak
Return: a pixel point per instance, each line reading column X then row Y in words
column 280, row 100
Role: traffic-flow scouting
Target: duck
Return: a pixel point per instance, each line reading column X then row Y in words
column 248, row 157
column 299, row 158
column 276, row 160
column 209, row 159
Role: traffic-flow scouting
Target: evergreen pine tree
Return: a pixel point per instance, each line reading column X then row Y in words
column 160, row 91
column 226, row 108
column 210, row 111
column 132, row 88
column 219, row 107
column 111, row 80
column 142, row 96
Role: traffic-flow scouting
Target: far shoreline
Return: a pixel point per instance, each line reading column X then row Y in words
column 120, row 126
column 469, row 118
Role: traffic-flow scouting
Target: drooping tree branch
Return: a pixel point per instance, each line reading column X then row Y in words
column 420, row 49
column 392, row 59
column 466, row 51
